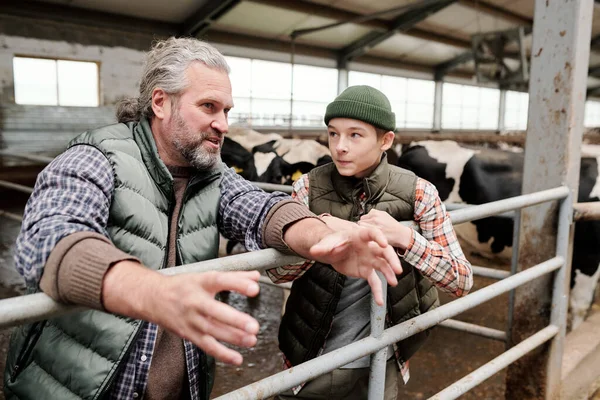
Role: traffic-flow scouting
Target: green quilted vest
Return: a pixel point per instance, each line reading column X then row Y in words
column 78, row 356
column 390, row 189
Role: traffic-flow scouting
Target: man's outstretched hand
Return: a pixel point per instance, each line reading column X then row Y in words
column 359, row 252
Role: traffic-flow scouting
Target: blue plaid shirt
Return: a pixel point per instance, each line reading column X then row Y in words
column 73, row 194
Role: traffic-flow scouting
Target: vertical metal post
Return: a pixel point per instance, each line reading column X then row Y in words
column 502, row 111
column 514, row 268
column 342, row 79
column 557, row 91
column 378, row 359
column 437, row 106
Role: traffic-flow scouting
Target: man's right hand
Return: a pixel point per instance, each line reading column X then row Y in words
column 185, row 305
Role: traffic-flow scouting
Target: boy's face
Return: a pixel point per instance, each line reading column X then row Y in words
column 355, row 146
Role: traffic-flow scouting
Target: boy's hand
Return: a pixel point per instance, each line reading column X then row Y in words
column 396, row 234
column 358, row 252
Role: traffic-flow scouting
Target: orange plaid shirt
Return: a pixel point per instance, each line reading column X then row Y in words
column 435, row 251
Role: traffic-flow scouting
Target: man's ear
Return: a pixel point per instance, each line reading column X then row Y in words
column 388, row 140
column 161, row 104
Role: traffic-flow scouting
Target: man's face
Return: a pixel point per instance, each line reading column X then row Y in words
column 355, row 147
column 198, row 121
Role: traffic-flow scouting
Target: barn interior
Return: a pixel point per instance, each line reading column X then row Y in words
column 456, row 70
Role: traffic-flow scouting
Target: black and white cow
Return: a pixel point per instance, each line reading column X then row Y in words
column 268, row 158
column 477, row 176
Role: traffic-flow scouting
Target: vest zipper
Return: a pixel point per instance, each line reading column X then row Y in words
column 32, row 337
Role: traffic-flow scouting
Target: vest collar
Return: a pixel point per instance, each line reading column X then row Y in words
column 142, row 134
column 374, row 185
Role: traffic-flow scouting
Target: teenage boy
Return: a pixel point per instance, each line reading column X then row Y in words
column 327, row 310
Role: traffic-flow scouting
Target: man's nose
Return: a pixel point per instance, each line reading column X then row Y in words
column 220, row 123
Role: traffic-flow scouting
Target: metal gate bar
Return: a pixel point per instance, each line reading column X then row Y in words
column 309, row 370
column 16, row 186
column 484, row 372
column 474, row 329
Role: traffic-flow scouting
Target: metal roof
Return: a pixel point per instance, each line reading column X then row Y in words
column 435, row 35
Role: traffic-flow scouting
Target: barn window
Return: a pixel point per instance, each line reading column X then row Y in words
column 262, row 92
column 469, row 107
column 411, row 99
column 515, row 116
column 592, row 114
column 54, row 82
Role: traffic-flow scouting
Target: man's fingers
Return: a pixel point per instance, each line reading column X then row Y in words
column 243, row 282
column 223, row 332
column 393, row 260
column 376, row 288
column 228, row 315
column 331, row 244
column 212, row 347
column 368, row 233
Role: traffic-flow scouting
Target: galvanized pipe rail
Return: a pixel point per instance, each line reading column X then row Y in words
column 29, row 157
column 10, row 215
column 16, row 186
column 306, row 371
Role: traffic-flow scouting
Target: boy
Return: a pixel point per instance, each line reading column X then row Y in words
column 326, row 310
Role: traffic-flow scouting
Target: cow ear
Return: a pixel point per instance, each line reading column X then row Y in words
column 387, row 140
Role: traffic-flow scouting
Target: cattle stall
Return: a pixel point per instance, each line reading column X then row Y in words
column 543, row 232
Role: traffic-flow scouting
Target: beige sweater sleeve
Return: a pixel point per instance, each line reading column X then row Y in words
column 76, row 267
column 279, row 218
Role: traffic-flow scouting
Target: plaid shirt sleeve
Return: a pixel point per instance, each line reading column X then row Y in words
column 288, row 273
column 72, row 194
column 243, row 208
column 436, row 251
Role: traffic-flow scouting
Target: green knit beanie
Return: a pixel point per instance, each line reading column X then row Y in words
column 363, row 103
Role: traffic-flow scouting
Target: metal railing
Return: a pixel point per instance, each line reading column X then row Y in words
column 29, row 308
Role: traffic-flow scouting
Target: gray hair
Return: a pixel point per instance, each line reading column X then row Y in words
column 165, row 68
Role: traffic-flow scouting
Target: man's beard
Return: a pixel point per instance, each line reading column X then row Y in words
column 189, row 144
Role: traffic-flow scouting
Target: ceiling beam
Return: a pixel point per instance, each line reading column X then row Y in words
column 87, row 18
column 197, row 23
column 269, row 44
column 497, row 11
column 405, row 21
column 442, row 69
column 338, row 14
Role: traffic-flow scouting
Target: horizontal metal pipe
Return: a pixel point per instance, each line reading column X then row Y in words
column 271, row 187
column 30, row 308
column 10, row 215
column 474, row 329
column 502, row 361
column 461, row 206
column 30, row 157
column 490, row 272
column 253, row 261
column 35, row 307
column 513, row 203
column 321, row 365
column 586, row 211
column 16, row 186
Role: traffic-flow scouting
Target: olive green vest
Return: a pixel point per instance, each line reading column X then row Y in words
column 79, row 355
column 313, row 299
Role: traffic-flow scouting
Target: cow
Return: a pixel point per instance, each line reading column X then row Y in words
column 478, row 176
column 268, row 158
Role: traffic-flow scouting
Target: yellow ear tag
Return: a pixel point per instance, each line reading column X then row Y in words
column 296, row 175
column 237, row 170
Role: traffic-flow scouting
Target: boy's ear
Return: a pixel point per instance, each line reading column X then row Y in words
column 388, row 140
